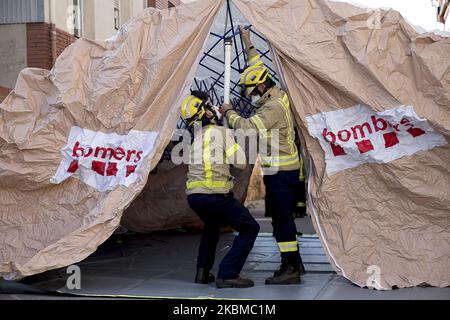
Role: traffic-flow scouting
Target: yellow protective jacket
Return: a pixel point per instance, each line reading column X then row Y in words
column 274, row 113
column 211, row 155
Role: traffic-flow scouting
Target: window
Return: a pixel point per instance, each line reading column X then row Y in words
column 116, row 14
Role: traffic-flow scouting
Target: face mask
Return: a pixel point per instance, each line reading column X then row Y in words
column 256, row 96
column 256, row 99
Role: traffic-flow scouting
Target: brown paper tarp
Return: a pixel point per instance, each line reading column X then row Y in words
column 394, row 216
column 135, row 82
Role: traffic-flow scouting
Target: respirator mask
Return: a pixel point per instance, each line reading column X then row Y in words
column 256, row 97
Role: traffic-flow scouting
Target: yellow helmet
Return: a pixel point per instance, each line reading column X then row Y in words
column 192, row 109
column 252, row 77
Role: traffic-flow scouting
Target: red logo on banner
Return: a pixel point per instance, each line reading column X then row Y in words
column 105, row 168
column 361, row 135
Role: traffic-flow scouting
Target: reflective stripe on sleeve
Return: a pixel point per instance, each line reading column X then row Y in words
column 232, row 120
column 262, row 130
column 258, row 122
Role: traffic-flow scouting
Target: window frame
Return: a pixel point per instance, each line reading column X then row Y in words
column 116, row 18
column 77, row 18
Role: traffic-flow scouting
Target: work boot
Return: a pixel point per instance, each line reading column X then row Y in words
column 204, row 276
column 302, row 268
column 234, row 283
column 286, row 274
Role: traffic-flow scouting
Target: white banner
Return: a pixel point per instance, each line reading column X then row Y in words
column 357, row 135
column 104, row 161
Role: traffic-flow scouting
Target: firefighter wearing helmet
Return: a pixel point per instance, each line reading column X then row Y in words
column 209, row 193
column 281, row 170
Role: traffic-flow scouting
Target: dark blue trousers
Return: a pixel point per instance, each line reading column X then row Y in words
column 217, row 210
column 281, row 199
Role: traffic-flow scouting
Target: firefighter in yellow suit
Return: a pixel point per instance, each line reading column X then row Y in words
column 209, row 194
column 281, row 171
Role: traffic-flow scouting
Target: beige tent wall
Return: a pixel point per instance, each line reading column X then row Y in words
column 394, row 216
column 134, row 82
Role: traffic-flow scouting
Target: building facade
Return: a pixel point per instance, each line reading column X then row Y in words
column 162, row 4
column 33, row 33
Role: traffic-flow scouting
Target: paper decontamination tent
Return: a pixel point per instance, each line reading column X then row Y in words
column 371, row 100
column 163, row 204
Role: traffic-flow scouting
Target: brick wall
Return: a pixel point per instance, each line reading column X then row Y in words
column 4, row 93
column 63, row 40
column 41, row 50
column 39, row 46
column 162, row 4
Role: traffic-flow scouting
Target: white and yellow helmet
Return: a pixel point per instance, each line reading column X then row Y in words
column 192, row 109
column 252, row 77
